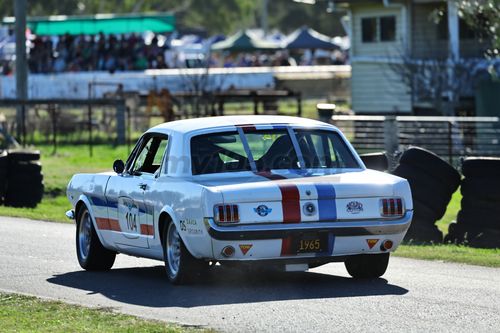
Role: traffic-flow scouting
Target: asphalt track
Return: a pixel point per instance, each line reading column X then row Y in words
column 38, row 258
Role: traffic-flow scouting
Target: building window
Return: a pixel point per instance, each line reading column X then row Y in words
column 369, row 29
column 388, row 28
column 375, row 29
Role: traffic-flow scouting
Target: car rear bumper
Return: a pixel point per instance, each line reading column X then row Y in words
column 274, row 231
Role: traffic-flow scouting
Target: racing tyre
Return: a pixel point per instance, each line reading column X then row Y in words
column 421, row 232
column 24, row 155
column 92, row 255
column 181, row 267
column 432, row 164
column 481, row 167
column 425, row 189
column 481, row 188
column 375, row 161
column 3, row 174
column 367, row 266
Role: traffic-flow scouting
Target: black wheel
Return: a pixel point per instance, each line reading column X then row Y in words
column 181, row 267
column 478, row 218
column 423, row 213
column 472, row 203
column 421, row 232
column 25, row 186
column 24, row 155
column 425, row 188
column 92, row 255
column 32, row 168
column 367, row 266
column 432, row 164
column 3, row 173
column 481, row 188
column 375, row 161
column 481, row 167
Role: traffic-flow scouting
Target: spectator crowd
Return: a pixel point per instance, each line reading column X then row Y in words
column 133, row 52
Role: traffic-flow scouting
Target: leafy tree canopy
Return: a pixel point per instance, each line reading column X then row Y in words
column 216, row 16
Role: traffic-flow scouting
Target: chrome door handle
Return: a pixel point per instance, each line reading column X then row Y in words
column 143, row 186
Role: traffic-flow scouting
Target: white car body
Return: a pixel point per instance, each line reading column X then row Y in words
column 272, row 205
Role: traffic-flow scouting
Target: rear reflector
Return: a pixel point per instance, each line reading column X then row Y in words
column 386, row 245
column 391, row 207
column 226, row 213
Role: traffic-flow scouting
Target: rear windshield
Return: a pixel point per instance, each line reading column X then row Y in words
column 270, row 150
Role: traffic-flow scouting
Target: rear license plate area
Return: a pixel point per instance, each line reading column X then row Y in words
column 310, row 243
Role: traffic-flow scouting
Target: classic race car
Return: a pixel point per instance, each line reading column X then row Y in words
column 285, row 192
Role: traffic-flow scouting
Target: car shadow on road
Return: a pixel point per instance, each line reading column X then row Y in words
column 149, row 286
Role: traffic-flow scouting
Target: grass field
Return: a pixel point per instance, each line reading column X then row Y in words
column 69, row 160
column 29, row 314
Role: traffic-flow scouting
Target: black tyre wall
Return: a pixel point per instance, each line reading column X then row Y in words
column 25, row 180
column 375, row 161
column 3, row 174
column 481, row 167
column 433, row 165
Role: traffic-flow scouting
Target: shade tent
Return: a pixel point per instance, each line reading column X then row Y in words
column 307, row 38
column 244, row 41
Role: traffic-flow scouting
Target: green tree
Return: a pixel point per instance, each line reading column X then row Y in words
column 484, row 17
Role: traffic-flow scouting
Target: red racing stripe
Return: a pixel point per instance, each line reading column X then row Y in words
column 147, row 230
column 108, row 224
column 290, row 203
column 290, row 199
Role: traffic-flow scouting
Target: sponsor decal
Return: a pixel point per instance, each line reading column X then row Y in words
column 263, row 210
column 354, row 207
column 371, row 243
column 245, row 248
column 190, row 226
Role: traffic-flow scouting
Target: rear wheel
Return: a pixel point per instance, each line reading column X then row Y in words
column 92, row 256
column 181, row 267
column 367, row 266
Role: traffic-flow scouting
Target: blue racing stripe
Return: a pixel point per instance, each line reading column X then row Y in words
column 326, row 202
column 98, row 201
column 112, row 203
column 331, row 243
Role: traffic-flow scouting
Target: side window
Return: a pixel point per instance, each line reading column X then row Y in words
column 150, row 155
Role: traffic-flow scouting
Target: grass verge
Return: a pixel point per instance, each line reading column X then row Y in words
column 20, row 313
column 451, row 253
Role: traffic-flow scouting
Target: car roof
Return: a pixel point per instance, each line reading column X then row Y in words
column 195, row 124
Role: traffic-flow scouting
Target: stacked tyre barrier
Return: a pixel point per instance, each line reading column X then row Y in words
column 433, row 181
column 478, row 221
column 375, row 161
column 24, row 186
column 4, row 163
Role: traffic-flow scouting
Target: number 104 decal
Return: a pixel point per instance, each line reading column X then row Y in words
column 129, row 215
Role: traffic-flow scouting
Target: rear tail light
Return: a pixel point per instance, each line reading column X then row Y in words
column 226, row 213
column 391, row 207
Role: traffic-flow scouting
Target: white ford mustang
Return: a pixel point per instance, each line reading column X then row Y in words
column 286, row 192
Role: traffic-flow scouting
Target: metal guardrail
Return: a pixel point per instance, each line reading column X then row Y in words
column 449, row 137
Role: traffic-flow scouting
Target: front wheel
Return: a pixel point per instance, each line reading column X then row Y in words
column 181, row 267
column 92, row 256
column 367, row 266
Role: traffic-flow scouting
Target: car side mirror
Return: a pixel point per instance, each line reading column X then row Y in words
column 119, row 166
